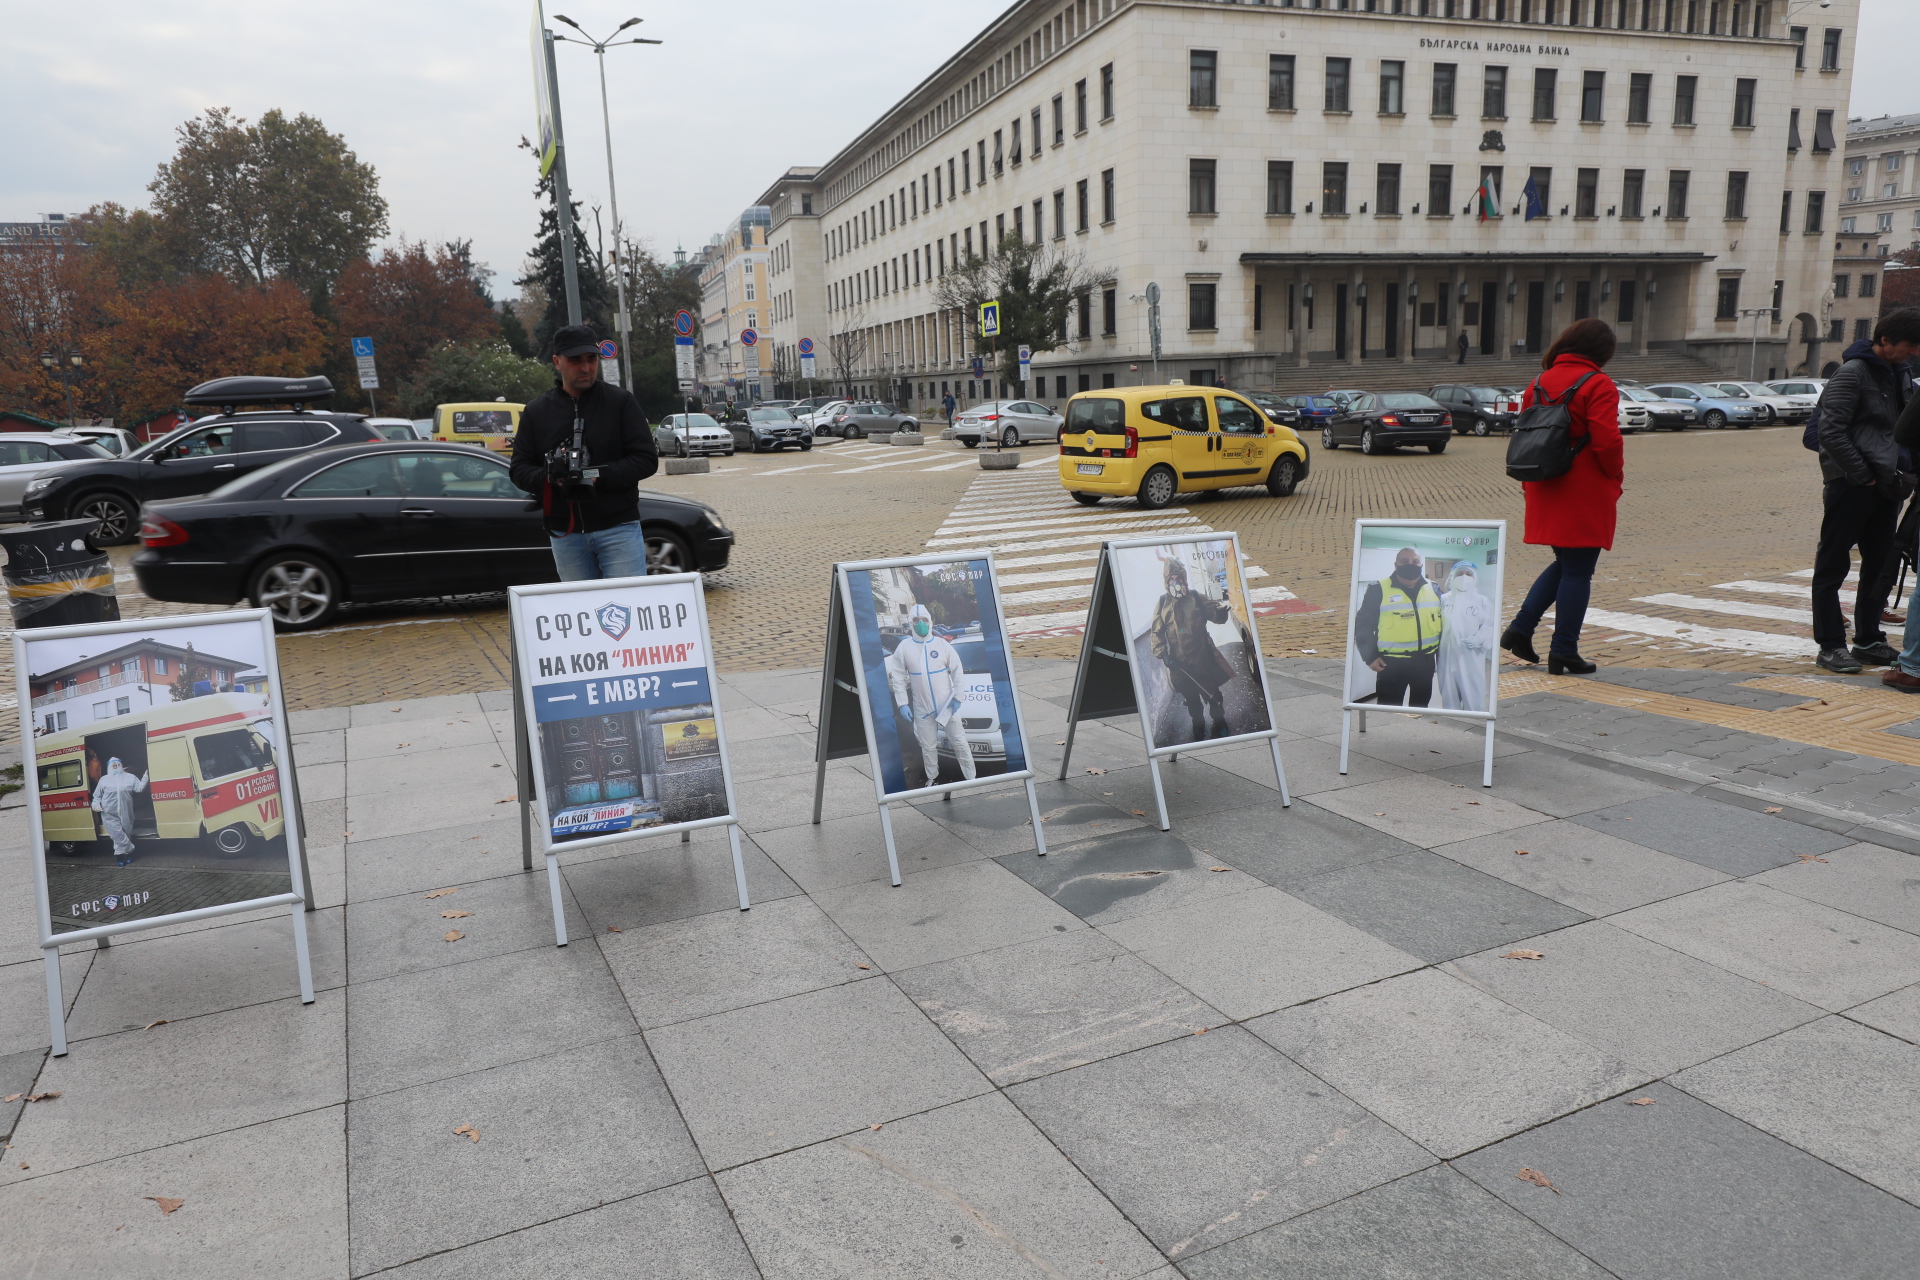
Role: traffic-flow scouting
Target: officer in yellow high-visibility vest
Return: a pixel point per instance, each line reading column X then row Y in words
column 1397, row 632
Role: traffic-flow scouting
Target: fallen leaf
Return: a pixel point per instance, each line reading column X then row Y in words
column 1473, row 802
column 25, row 1165
column 157, row 1022
column 167, row 1203
column 404, row 744
column 1381, row 814
column 873, row 1128
column 614, row 928
column 1537, row 1178
column 454, row 935
column 1641, row 1102
column 10, row 1097
column 1520, row 853
column 1202, row 1031
column 441, row 893
column 1521, row 953
column 1810, row 857
column 1061, row 743
column 1775, row 809
column 508, row 800
column 1600, row 733
column 43, row 1097
column 1432, row 752
column 1096, row 771
column 1138, row 813
column 867, row 967
column 1220, row 868
column 468, row 1131
column 454, row 915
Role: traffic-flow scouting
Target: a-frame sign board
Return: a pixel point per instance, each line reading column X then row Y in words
column 1107, row 681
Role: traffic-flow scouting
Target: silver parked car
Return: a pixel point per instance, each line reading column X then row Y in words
column 1010, row 422
column 26, row 454
column 692, row 435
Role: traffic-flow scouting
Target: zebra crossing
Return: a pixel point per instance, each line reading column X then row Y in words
column 855, row 458
column 1047, row 547
column 1790, row 634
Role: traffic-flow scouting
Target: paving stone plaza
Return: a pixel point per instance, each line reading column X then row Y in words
column 1644, row 1009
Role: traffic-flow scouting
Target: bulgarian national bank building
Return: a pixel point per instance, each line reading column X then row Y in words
column 1337, row 183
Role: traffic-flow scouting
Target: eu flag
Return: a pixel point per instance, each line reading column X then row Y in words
column 1536, row 206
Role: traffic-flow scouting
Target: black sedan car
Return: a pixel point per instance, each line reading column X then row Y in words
column 1380, row 423
column 1277, row 408
column 1477, row 409
column 196, row 458
column 383, row 521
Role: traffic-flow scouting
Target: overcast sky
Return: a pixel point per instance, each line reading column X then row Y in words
column 437, row 96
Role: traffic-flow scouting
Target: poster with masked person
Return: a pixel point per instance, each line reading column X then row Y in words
column 1423, row 616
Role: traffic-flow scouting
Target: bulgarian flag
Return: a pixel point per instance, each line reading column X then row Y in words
column 1483, row 202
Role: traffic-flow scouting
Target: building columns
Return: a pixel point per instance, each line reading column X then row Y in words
column 1296, row 316
column 1503, row 316
column 1350, row 324
column 1410, row 316
column 1643, row 310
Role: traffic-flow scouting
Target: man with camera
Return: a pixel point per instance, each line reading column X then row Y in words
column 582, row 449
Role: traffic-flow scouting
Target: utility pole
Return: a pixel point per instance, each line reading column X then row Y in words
column 1753, row 348
column 562, row 195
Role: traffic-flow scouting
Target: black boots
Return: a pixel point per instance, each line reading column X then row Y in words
column 1520, row 646
column 1571, row 664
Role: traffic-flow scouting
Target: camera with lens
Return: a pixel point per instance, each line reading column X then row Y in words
column 568, row 469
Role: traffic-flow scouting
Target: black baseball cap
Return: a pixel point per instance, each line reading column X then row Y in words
column 575, row 340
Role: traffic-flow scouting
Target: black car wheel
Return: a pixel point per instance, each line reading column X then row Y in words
column 1158, row 488
column 850, row 432
column 1326, row 438
column 301, row 591
column 971, row 444
column 1366, row 442
column 1479, row 426
column 1713, row 418
column 806, row 446
column 1009, row 438
column 114, row 518
column 1438, row 446
column 1086, row 499
column 668, row 552
column 680, row 447
column 1284, row 476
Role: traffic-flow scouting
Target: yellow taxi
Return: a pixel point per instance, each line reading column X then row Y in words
column 489, row 424
column 1153, row 443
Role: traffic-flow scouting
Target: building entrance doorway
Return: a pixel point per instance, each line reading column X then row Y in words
column 1340, row 322
column 1489, row 299
column 1391, row 339
column 1536, row 315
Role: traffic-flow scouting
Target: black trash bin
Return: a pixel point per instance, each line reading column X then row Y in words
column 56, row 576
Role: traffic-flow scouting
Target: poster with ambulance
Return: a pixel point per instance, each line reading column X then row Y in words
column 626, row 730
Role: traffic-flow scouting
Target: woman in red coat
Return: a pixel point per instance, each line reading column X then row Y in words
column 1573, row 513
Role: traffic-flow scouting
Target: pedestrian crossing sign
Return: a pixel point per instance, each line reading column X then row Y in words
column 990, row 319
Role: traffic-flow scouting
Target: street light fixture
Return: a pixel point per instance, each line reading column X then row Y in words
column 65, row 361
column 599, row 48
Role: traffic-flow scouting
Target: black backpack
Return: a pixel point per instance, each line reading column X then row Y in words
column 1541, row 446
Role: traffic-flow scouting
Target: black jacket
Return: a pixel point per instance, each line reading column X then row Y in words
column 1858, row 409
column 618, row 442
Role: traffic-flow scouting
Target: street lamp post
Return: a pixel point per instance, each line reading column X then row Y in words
column 66, row 362
column 599, row 48
column 1753, row 348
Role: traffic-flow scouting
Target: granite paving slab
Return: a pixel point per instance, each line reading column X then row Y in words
column 1128, row 873
column 1722, row 836
column 1864, row 879
column 1586, row 869
column 937, row 915
column 1897, row 1014
column 1426, row 811
column 1303, row 841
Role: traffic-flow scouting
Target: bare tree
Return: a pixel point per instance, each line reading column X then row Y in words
column 1035, row 285
column 847, row 346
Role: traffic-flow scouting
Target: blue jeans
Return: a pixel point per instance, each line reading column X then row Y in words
column 1910, row 655
column 1566, row 585
column 619, row 552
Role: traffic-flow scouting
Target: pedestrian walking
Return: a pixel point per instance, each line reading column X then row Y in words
column 1861, row 491
column 946, row 403
column 1461, row 343
column 1572, row 513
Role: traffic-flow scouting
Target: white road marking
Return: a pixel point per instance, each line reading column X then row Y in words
column 1797, row 590
column 1031, row 523
column 1734, row 608
column 897, row 462
column 1765, row 642
column 781, row 471
column 1096, row 533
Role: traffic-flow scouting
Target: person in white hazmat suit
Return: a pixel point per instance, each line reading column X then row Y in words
column 924, row 674
column 113, row 801
column 1466, row 641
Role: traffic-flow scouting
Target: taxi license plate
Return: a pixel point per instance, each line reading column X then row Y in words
column 1088, row 469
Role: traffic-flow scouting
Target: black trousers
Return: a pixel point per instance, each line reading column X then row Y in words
column 1856, row 516
column 1405, row 676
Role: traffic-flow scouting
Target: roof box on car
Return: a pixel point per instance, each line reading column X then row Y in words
column 229, row 393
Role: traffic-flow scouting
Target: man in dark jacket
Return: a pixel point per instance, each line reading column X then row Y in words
column 583, row 448
column 1860, row 465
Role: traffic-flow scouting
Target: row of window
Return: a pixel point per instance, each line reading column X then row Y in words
column 1337, row 82
column 1690, row 17
column 1850, row 226
column 1869, row 284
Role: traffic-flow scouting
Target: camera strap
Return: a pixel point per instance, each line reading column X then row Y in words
column 579, row 433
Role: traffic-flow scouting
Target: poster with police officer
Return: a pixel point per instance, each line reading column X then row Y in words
column 938, row 679
column 623, row 722
column 1424, row 616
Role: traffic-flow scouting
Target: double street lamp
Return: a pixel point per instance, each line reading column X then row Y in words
column 599, row 48
column 66, row 362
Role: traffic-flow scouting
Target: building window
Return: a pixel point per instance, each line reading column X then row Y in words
column 1779, row 295
column 1109, row 312
column 1280, row 82
column 1786, row 212
column 806, row 204
column 1683, row 91
column 1541, row 180
column 1885, row 224
column 1080, row 106
column 1015, row 147
column 1339, row 72
column 1035, row 118
column 1493, row 94
column 1863, row 329
column 1677, row 180
column 1793, row 130
column 1059, row 119
column 1743, row 91
column 1200, row 305
column 1639, row 98
column 1333, row 187
column 1439, row 190
column 1203, row 66
column 1633, row 193
column 1279, row 186
column 1868, row 286
column 1200, row 186
column 1445, row 76
column 1586, row 193
column 1393, row 84
column 1842, row 286
column 1627, row 299
column 1386, row 189
column 1816, row 211
column 1892, row 163
column 1799, row 37
column 1546, row 82
column 1059, row 214
column 1822, row 131
column 160, row 666
column 1490, row 179
column 1727, row 307
column 1837, row 331
column 1106, row 195
column 1086, row 325
column 1593, row 94
column 1830, row 50
column 999, row 158
column 1106, row 92
column 1080, row 205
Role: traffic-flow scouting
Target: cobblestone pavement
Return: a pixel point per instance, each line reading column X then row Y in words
column 1604, row 1020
